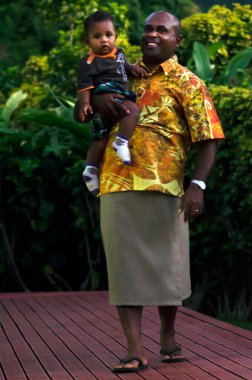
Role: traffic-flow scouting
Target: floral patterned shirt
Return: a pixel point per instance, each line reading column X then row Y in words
column 175, row 111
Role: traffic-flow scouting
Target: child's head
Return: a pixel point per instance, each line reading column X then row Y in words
column 100, row 32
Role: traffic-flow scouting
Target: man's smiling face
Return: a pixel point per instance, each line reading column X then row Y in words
column 160, row 38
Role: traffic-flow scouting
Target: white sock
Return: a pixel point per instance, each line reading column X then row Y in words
column 90, row 177
column 120, row 145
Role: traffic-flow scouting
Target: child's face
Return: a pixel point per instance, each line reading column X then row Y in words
column 101, row 37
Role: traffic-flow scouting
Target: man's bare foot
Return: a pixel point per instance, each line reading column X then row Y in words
column 170, row 351
column 131, row 364
column 171, row 356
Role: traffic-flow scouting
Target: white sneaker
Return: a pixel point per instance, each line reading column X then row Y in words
column 90, row 177
column 121, row 147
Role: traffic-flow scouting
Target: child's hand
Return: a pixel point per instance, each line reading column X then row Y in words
column 138, row 71
column 85, row 111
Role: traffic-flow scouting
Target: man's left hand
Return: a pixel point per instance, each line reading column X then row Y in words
column 192, row 202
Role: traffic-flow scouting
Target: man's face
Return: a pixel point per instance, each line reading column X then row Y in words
column 159, row 40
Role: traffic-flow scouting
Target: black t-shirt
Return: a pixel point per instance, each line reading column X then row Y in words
column 94, row 70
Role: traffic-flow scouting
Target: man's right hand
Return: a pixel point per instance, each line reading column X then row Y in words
column 107, row 106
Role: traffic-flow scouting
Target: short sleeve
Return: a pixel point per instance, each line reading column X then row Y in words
column 202, row 118
column 85, row 75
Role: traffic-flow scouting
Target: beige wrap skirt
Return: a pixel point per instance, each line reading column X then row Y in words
column 146, row 243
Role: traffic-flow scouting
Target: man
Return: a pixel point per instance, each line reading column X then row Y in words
column 144, row 210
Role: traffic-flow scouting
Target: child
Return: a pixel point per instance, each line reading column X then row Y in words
column 104, row 70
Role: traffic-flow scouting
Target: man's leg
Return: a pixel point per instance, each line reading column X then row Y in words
column 130, row 318
column 169, row 349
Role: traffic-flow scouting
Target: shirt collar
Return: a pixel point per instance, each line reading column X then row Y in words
column 166, row 66
column 112, row 54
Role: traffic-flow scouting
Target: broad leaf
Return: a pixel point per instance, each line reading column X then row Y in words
column 60, row 118
column 11, row 104
column 202, row 63
column 239, row 62
column 213, row 48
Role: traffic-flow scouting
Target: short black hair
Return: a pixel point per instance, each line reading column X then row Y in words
column 98, row 16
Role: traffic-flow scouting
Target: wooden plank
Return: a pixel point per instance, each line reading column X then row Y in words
column 102, row 331
column 179, row 369
column 19, row 353
column 194, row 349
column 2, row 377
column 44, row 355
column 9, row 363
column 215, row 322
column 229, row 334
column 80, row 333
column 218, row 354
column 52, row 315
column 101, row 345
column 55, row 339
column 226, row 339
column 212, row 335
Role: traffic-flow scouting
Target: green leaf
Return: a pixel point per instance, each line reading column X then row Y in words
column 59, row 118
column 5, row 130
column 239, row 62
column 213, row 48
column 11, row 104
column 202, row 63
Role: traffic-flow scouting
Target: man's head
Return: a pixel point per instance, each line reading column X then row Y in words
column 100, row 32
column 161, row 37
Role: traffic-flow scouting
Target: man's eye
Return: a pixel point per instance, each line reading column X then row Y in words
column 163, row 30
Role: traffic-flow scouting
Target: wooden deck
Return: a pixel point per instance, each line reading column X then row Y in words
column 78, row 336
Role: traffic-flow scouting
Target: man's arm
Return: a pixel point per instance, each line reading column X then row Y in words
column 193, row 199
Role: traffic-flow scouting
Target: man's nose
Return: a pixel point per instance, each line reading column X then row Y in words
column 152, row 33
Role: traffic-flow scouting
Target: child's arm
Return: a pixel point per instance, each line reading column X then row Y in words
column 84, row 102
column 135, row 70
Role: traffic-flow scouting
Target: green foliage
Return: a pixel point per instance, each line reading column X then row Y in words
column 239, row 62
column 22, row 32
column 202, row 62
column 138, row 10
column 45, row 212
column 232, row 27
column 49, row 224
column 221, row 240
column 10, row 106
column 234, row 70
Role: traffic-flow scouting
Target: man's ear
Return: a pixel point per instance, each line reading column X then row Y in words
column 179, row 39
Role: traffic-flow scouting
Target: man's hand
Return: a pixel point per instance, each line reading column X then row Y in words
column 192, row 202
column 193, row 199
column 107, row 106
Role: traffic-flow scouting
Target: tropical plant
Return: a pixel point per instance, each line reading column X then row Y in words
column 233, row 73
column 231, row 27
column 49, row 223
column 221, row 241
